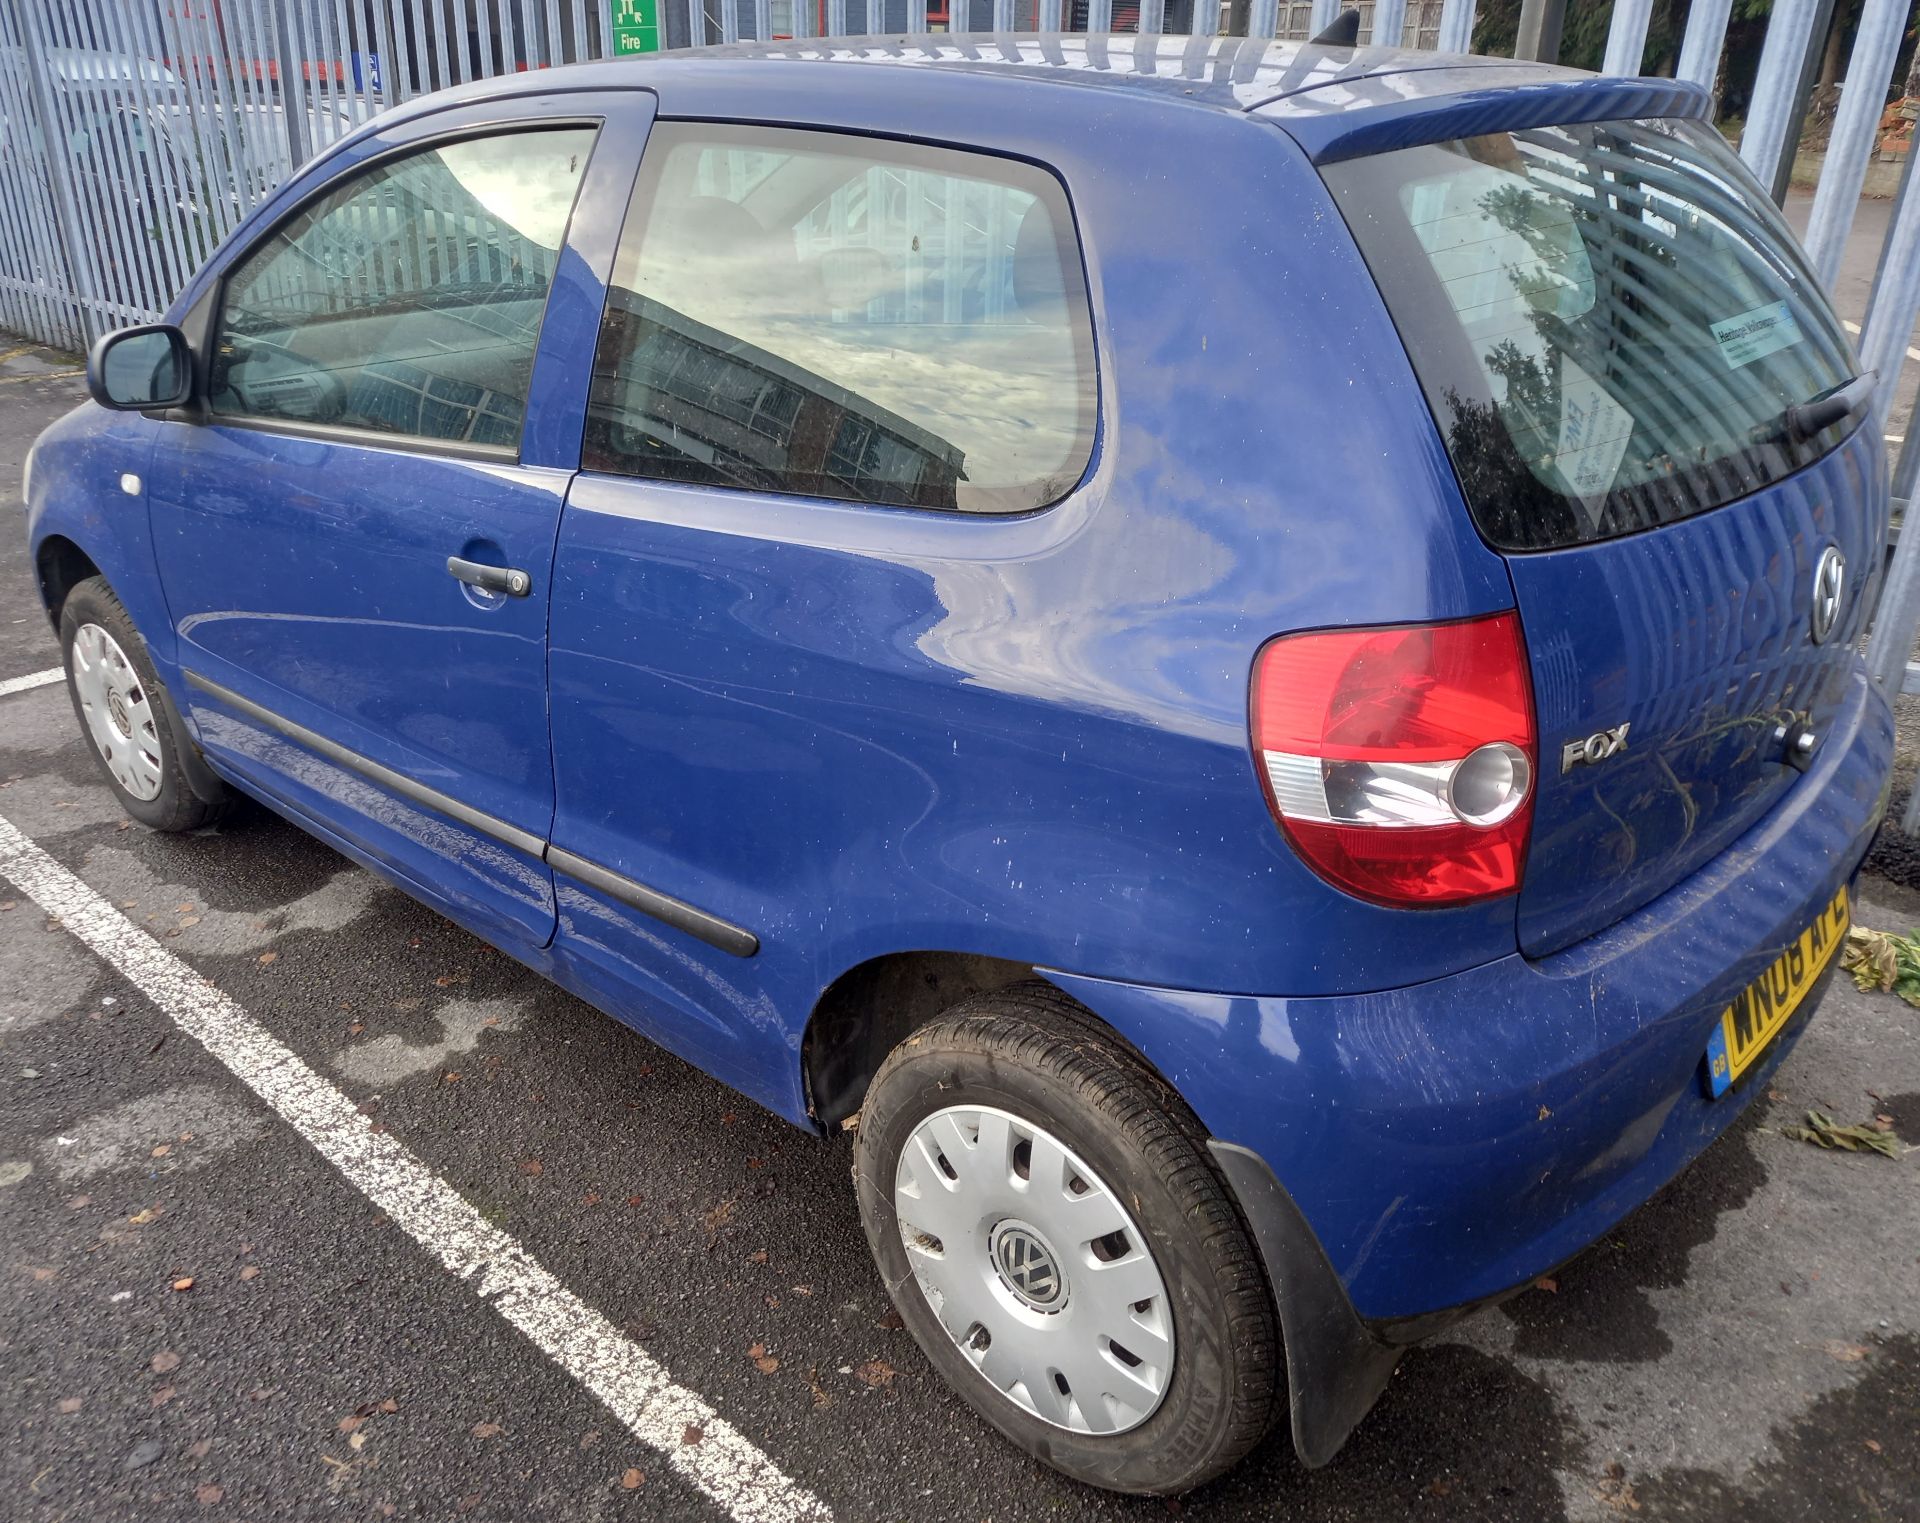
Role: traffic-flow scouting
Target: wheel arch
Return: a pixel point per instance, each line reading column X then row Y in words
column 872, row 1007
column 59, row 566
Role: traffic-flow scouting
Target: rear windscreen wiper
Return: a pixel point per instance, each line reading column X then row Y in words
column 1838, row 404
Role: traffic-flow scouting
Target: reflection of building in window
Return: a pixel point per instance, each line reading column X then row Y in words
column 686, row 402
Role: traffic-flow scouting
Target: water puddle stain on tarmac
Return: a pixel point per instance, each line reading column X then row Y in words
column 1904, row 1111
column 390, row 1058
column 1459, row 1434
column 149, row 885
column 171, row 1131
column 1854, row 1454
column 1602, row 1310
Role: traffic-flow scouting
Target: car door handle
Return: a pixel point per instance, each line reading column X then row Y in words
column 510, row 580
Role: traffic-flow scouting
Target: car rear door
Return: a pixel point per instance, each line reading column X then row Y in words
column 355, row 533
column 1649, row 407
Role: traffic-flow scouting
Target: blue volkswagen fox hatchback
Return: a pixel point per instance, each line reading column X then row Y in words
column 1243, row 656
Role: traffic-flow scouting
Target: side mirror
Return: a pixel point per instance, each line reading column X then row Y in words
column 139, row 368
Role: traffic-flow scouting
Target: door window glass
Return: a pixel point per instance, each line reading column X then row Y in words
column 407, row 301
column 841, row 317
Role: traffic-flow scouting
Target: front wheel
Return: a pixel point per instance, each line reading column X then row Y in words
column 125, row 716
column 1062, row 1248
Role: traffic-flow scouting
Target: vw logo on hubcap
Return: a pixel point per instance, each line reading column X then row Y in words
column 1829, row 589
column 1023, row 1260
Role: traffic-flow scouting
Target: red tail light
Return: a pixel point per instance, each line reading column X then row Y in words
column 1399, row 761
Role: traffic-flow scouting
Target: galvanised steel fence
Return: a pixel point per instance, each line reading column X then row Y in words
column 136, row 134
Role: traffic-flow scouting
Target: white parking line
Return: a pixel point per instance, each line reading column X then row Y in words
column 31, row 680
column 634, row 1387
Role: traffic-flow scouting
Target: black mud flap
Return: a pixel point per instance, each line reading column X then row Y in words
column 1336, row 1369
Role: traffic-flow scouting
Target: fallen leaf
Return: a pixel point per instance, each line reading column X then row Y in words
column 1846, row 1353
column 1547, row 1283
column 185, row 1282
column 1872, row 1444
column 820, row 1396
column 164, row 1363
column 892, row 1321
column 485, row 1430
column 632, row 1480
column 187, row 921
column 162, row 1150
column 772, row 1302
column 451, row 1076
column 591, row 1198
column 68, row 1404
column 1883, row 963
column 1823, row 1131
column 533, row 1166
column 43, row 1275
column 183, row 909
column 80, row 1203
column 198, row 1449
column 767, row 1364
column 634, row 1200
column 590, row 1438
column 721, row 1215
column 354, row 1028
column 758, row 1256
column 140, row 1219
column 875, row 1372
column 249, row 1271
column 351, row 1421
column 389, row 1405
column 162, row 1396
column 356, row 1441
column 691, row 1434
column 267, row 957
column 448, row 980
column 208, row 1494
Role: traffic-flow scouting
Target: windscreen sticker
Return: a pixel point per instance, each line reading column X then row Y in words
column 1594, row 430
column 1764, row 330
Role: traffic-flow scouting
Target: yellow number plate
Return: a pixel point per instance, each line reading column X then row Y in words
column 1754, row 1019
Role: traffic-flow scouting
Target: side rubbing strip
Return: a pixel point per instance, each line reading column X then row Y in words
column 711, row 929
column 677, row 913
column 386, row 777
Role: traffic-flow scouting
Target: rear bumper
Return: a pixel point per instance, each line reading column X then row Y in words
column 1446, row 1142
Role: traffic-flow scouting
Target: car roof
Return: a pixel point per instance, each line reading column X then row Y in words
column 1231, row 73
column 1335, row 101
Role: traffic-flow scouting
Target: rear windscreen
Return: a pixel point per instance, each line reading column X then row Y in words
column 1609, row 321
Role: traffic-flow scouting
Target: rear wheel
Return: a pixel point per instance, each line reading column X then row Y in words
column 1060, row 1244
column 125, row 716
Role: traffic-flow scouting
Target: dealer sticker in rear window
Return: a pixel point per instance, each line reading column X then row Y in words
column 1763, row 331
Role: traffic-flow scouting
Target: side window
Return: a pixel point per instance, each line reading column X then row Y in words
column 843, row 317
column 408, row 300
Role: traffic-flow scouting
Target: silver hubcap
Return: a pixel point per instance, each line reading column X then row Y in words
column 118, row 713
column 1035, row 1269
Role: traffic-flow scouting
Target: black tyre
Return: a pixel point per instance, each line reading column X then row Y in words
column 1059, row 1242
column 128, row 720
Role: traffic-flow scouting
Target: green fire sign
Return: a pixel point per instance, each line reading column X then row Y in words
column 636, row 27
